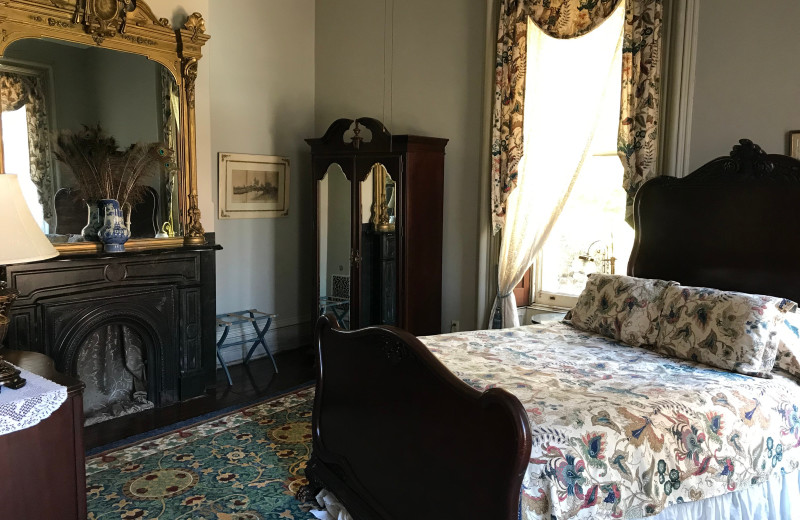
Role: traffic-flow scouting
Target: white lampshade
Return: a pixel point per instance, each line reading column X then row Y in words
column 21, row 240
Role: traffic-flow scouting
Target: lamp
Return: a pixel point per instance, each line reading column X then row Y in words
column 600, row 253
column 21, row 240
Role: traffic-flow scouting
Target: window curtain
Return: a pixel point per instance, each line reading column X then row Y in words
column 641, row 80
column 16, row 91
column 558, row 19
column 638, row 140
column 557, row 143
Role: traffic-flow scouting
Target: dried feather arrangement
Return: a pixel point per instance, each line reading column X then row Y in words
column 105, row 172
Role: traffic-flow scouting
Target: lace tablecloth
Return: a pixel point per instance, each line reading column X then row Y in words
column 27, row 406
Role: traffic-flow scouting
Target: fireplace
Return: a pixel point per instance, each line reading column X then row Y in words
column 113, row 362
column 136, row 324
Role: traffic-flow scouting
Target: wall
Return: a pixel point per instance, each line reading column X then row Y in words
column 261, row 53
column 747, row 82
column 417, row 66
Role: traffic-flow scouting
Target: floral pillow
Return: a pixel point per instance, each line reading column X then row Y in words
column 728, row 330
column 620, row 307
column 788, row 357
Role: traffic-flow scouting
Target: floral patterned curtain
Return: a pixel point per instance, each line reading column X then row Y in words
column 16, row 91
column 641, row 80
column 559, row 19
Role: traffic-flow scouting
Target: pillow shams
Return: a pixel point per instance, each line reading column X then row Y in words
column 621, row 307
column 788, row 357
column 728, row 330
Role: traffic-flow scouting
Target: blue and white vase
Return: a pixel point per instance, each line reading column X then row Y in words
column 93, row 222
column 115, row 230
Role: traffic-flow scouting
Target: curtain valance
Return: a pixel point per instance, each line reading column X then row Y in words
column 15, row 91
column 568, row 18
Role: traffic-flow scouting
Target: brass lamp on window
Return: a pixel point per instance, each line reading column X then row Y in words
column 601, row 254
column 21, row 240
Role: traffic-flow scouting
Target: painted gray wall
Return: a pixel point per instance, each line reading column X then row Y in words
column 261, row 53
column 417, row 66
column 747, row 81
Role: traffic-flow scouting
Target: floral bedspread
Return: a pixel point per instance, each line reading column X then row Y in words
column 623, row 432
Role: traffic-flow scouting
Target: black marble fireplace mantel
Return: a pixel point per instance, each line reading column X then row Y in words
column 168, row 297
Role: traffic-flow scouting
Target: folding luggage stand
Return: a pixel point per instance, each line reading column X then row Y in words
column 236, row 318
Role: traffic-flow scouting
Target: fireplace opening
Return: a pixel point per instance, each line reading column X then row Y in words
column 112, row 362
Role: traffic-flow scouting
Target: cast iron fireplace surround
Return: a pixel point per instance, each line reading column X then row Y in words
column 166, row 296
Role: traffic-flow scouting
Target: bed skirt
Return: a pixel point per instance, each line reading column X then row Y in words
column 774, row 499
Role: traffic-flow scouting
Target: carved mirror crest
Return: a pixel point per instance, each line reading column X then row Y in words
column 73, row 64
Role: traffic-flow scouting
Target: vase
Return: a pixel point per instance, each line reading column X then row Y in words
column 115, row 230
column 93, row 222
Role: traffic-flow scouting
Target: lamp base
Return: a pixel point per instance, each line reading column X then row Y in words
column 10, row 375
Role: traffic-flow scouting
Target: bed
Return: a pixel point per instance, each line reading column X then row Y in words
column 555, row 422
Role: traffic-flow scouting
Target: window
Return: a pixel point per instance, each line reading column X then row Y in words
column 17, row 159
column 590, row 234
column 26, row 135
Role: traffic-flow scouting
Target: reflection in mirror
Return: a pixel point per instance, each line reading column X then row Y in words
column 378, row 273
column 49, row 86
column 334, row 245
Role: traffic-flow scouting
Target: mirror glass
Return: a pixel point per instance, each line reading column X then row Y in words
column 53, row 90
column 378, row 273
column 334, row 245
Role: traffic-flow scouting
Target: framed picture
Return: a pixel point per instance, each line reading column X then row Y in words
column 794, row 138
column 253, row 186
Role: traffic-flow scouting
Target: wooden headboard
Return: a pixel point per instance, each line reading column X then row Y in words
column 732, row 224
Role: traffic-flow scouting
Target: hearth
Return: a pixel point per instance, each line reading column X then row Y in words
column 137, row 328
column 112, row 362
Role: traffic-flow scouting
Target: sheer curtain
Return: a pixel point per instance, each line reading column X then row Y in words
column 566, row 85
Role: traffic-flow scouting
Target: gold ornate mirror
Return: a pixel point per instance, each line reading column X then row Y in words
column 68, row 65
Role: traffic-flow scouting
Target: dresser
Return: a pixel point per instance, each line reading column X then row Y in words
column 378, row 226
column 43, row 467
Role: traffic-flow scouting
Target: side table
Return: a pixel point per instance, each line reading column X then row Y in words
column 43, row 466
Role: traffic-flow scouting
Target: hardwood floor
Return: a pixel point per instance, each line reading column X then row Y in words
column 250, row 382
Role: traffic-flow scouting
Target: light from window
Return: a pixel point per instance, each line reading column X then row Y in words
column 18, row 161
column 591, row 228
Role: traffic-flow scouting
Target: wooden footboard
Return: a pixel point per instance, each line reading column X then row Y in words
column 398, row 436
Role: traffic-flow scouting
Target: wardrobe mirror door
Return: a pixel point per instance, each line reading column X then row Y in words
column 334, row 245
column 378, row 272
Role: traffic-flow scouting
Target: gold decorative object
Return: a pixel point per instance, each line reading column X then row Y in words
column 128, row 26
column 22, row 241
column 381, row 220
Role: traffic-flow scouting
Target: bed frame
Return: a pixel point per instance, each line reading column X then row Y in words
column 397, row 436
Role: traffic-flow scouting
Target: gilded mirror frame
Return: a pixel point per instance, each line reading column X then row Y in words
column 128, row 26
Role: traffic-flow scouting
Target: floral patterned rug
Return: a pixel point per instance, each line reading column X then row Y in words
column 245, row 465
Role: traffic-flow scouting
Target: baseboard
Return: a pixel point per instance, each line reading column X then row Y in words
column 285, row 334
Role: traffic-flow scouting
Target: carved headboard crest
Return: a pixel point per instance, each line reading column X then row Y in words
column 747, row 157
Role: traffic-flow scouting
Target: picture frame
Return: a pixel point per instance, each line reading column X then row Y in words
column 794, row 144
column 253, row 186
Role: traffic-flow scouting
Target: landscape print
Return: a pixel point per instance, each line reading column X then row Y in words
column 254, row 186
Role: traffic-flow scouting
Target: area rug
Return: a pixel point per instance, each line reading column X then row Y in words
column 245, row 465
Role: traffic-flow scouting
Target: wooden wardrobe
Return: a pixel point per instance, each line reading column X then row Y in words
column 378, row 226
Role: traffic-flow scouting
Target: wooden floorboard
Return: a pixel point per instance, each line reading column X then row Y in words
column 250, row 382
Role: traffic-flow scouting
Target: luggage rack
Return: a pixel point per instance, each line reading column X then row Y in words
column 254, row 316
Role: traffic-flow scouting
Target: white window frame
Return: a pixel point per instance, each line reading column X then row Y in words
column 549, row 299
